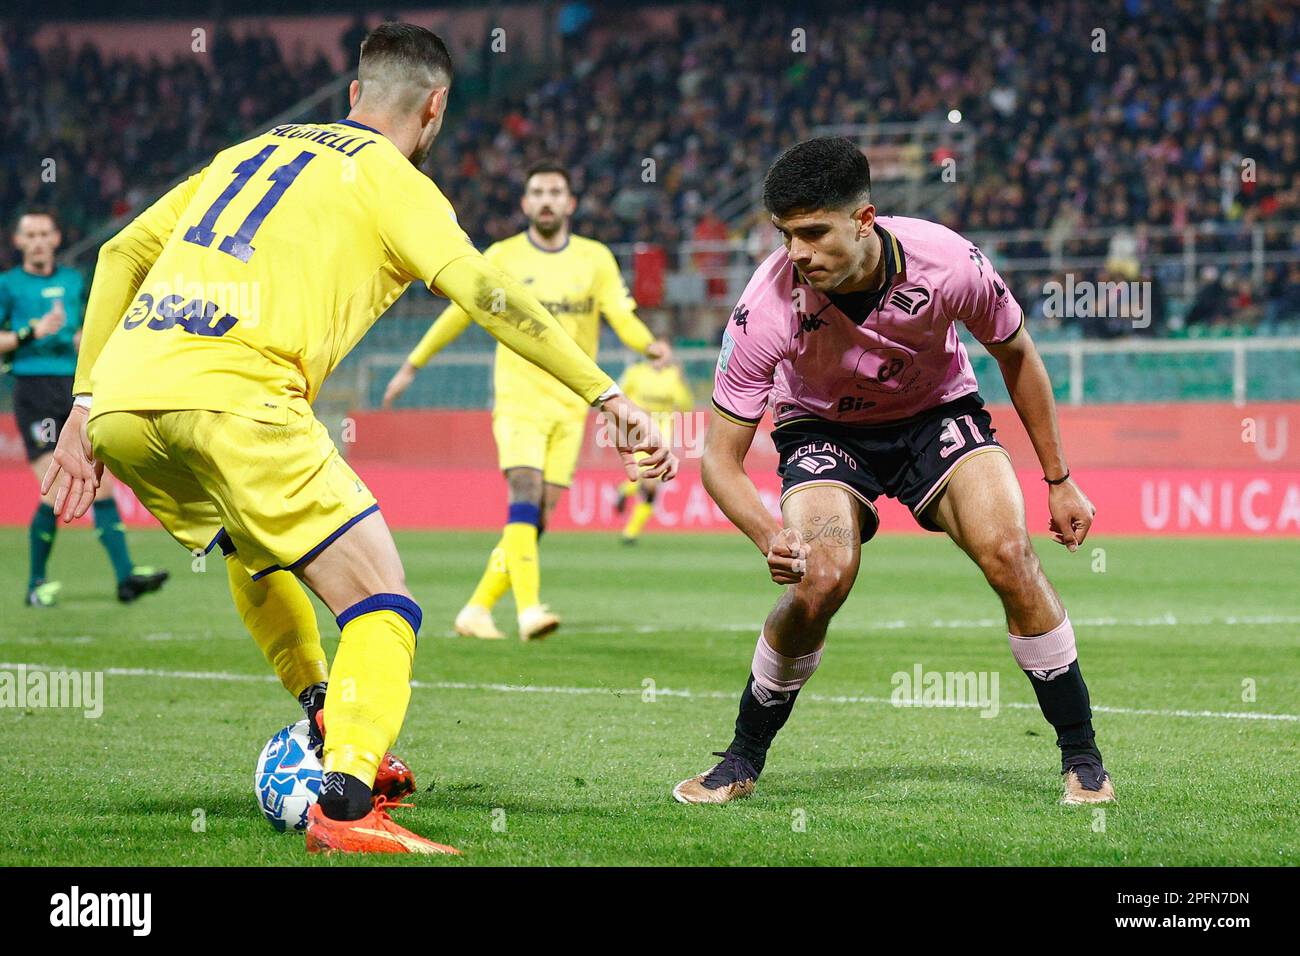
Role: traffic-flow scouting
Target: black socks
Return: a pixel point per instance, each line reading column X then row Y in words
column 1063, row 697
column 762, row 714
column 344, row 797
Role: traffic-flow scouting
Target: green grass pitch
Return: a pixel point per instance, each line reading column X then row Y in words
column 554, row 753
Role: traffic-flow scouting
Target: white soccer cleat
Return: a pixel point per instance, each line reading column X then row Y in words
column 536, row 622
column 476, row 621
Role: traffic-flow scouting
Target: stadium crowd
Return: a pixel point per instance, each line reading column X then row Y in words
column 1179, row 113
column 119, row 129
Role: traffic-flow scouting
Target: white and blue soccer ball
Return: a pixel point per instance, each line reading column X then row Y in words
column 288, row 778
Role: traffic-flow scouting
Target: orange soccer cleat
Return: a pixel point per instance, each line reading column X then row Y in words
column 374, row 833
column 393, row 780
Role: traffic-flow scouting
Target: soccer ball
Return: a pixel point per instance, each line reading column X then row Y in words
column 288, row 778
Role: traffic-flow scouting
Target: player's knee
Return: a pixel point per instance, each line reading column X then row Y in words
column 525, row 486
column 1010, row 563
column 824, row 588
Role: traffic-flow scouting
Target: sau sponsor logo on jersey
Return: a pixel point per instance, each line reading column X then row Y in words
column 196, row 316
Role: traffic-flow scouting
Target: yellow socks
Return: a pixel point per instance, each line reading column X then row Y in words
column 519, row 541
column 280, row 616
column 495, row 581
column 370, row 683
column 640, row 515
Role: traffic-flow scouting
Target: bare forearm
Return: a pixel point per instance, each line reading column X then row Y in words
column 735, row 493
column 8, row 342
column 1031, row 394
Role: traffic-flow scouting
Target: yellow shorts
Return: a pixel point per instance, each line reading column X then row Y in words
column 280, row 492
column 549, row 443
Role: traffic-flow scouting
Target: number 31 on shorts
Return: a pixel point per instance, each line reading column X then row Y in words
column 952, row 437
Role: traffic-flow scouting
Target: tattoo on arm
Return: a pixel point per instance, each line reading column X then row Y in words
column 492, row 299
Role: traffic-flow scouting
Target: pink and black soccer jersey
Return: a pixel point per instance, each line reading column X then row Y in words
column 788, row 345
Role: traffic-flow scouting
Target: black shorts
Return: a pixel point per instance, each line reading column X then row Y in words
column 42, row 403
column 911, row 459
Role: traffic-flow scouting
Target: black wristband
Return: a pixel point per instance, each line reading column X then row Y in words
column 26, row 334
column 1058, row 481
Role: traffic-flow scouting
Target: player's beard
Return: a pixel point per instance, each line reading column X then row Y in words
column 424, row 146
column 549, row 230
column 421, row 153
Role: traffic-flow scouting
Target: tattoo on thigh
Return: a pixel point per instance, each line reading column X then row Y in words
column 831, row 530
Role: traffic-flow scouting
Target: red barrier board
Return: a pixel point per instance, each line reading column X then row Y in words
column 1209, row 469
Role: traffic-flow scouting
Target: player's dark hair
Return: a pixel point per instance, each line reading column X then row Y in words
column 829, row 172
column 37, row 211
column 549, row 166
column 408, row 47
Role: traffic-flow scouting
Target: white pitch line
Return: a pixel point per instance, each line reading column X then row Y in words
column 1163, row 620
column 637, row 691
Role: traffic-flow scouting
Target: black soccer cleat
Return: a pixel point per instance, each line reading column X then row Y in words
column 731, row 779
column 1086, row 781
column 142, row 581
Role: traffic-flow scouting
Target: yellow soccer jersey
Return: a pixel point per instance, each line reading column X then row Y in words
column 577, row 284
column 657, row 390
column 270, row 265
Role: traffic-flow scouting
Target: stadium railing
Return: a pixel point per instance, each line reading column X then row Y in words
column 1178, row 253
column 908, row 161
column 1237, row 370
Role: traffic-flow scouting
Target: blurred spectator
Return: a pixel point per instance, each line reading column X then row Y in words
column 1212, row 301
column 95, row 137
